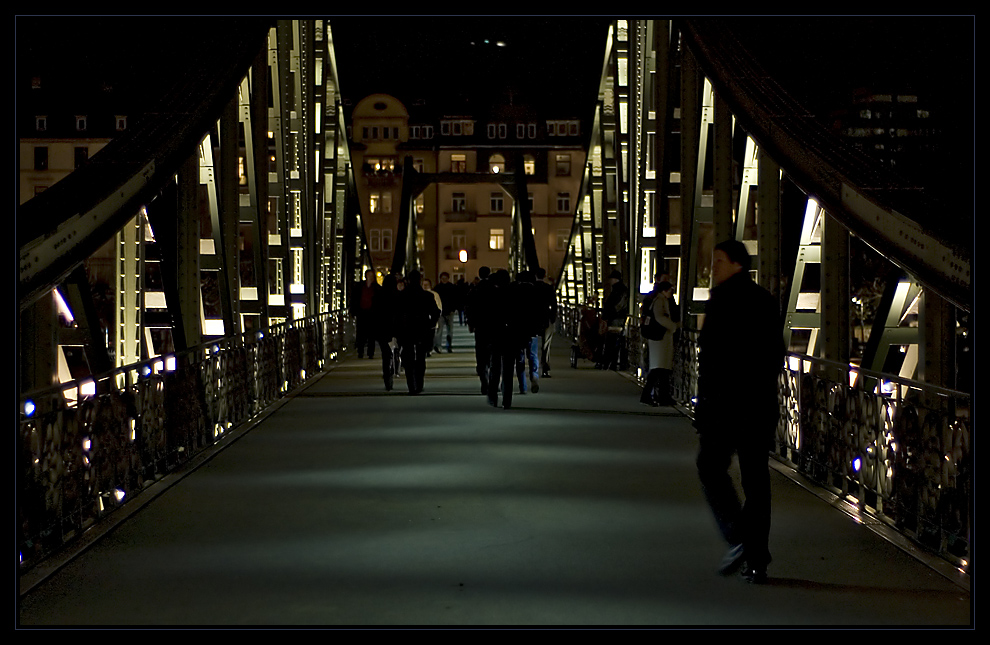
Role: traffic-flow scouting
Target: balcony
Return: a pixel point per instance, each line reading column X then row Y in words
column 461, row 216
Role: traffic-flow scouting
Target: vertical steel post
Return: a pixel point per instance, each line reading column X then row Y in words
column 835, row 296
column 722, row 199
column 690, row 120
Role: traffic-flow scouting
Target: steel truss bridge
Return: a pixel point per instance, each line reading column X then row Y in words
column 692, row 143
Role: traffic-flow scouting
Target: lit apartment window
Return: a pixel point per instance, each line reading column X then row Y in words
column 529, row 165
column 497, row 202
column 41, row 158
column 563, row 165
column 563, row 202
column 41, row 123
column 80, row 155
column 380, row 202
column 81, row 123
column 458, row 203
column 496, row 239
column 458, row 163
column 420, row 204
column 496, row 164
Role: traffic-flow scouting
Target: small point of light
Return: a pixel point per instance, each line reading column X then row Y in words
column 462, row 255
column 170, row 363
column 302, row 374
column 87, row 444
column 29, row 408
column 118, row 494
column 145, row 370
column 857, row 463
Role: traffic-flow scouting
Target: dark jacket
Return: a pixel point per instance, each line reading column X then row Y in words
column 741, row 353
column 418, row 315
column 385, row 310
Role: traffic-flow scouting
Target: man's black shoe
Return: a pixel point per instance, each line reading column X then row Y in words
column 755, row 576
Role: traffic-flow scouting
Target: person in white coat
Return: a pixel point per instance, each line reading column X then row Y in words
column 660, row 321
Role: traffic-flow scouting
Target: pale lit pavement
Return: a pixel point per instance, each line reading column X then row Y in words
column 352, row 506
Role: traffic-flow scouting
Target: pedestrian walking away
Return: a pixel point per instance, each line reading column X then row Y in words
column 418, row 315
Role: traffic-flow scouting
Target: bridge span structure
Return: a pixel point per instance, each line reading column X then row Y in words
column 232, row 278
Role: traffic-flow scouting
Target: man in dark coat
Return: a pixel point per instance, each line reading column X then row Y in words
column 741, row 353
column 418, row 315
column 361, row 301
column 478, row 307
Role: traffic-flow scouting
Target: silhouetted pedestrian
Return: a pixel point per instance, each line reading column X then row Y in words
column 741, row 354
column 418, row 315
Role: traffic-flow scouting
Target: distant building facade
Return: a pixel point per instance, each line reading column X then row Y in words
column 897, row 129
column 464, row 223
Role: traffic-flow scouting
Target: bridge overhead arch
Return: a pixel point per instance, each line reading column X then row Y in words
column 889, row 213
column 58, row 229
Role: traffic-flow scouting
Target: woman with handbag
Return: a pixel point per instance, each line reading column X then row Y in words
column 657, row 326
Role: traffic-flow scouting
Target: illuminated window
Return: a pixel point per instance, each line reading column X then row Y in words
column 529, row 165
column 496, row 164
column 380, row 202
column 496, row 239
column 458, row 163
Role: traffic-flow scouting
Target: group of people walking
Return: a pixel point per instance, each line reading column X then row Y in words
column 512, row 325
column 407, row 319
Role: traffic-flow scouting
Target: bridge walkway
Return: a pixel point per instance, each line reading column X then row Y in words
column 352, row 506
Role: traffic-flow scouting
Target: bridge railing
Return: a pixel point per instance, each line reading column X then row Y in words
column 898, row 449
column 89, row 446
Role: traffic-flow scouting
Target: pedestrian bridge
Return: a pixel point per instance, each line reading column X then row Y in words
column 347, row 505
column 219, row 458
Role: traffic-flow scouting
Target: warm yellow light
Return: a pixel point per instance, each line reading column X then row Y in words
column 462, row 255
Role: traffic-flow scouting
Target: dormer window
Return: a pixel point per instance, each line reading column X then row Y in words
column 41, row 123
column 81, row 123
column 121, row 123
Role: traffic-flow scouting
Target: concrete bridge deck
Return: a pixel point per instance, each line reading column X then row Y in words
column 351, row 506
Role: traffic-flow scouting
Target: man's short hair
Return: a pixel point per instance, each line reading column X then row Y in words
column 737, row 253
column 541, row 273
